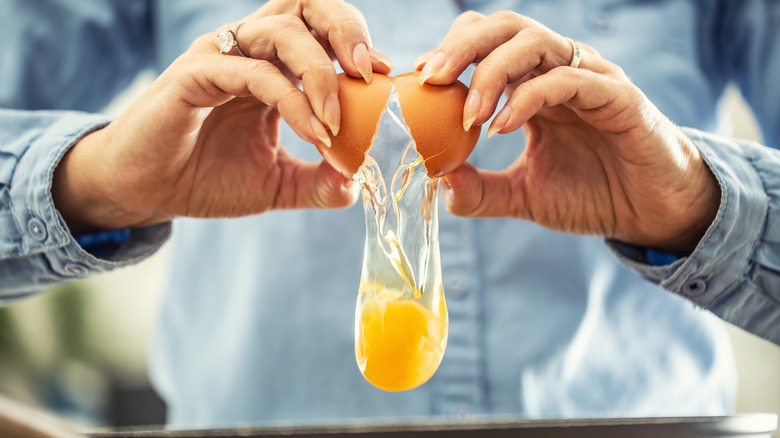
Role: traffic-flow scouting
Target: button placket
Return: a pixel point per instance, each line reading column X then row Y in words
column 456, row 285
column 459, row 386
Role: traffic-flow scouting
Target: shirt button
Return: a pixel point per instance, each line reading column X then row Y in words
column 694, row 288
column 37, row 229
column 76, row 269
column 455, row 286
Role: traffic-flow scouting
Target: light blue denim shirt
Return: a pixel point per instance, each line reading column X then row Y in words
column 257, row 324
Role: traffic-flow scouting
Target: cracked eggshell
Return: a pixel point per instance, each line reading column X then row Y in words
column 434, row 114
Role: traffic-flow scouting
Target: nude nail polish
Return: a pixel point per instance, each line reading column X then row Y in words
column 433, row 66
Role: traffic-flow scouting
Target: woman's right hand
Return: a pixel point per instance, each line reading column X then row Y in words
column 203, row 140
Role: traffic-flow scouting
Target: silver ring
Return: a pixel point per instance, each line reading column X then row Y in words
column 228, row 39
column 576, row 55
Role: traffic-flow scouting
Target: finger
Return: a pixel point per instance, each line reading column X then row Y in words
column 464, row 19
column 202, row 82
column 471, row 192
column 286, row 38
column 471, row 42
column 601, row 100
column 346, row 31
column 379, row 62
column 314, row 185
column 531, row 52
column 461, row 21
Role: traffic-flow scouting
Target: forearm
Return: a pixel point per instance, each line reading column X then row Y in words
column 81, row 188
column 37, row 249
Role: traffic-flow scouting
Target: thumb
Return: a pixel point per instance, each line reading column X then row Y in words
column 468, row 191
column 321, row 186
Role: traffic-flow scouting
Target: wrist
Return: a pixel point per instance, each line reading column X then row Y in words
column 696, row 210
column 81, row 189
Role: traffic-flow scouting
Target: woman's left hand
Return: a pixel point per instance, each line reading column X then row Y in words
column 599, row 157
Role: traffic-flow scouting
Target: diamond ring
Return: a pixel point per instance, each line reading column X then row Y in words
column 227, row 39
column 576, row 55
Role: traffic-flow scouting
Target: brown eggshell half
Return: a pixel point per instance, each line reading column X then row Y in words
column 362, row 105
column 434, row 114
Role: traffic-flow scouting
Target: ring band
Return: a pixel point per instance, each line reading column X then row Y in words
column 228, row 39
column 576, row 55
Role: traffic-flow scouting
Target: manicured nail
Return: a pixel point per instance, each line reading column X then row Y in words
column 471, row 108
column 422, row 59
column 500, row 121
column 433, row 66
column 382, row 59
column 332, row 113
column 319, row 131
column 362, row 61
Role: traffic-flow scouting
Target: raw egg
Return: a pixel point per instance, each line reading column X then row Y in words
column 401, row 320
column 433, row 113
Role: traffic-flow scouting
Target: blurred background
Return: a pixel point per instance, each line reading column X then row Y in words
column 81, row 349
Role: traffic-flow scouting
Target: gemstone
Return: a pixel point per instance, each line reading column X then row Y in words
column 226, row 40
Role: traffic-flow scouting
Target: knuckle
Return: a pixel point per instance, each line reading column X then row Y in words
column 319, row 74
column 289, row 22
column 509, row 16
column 319, row 70
column 259, row 69
column 470, row 16
column 568, row 74
column 616, row 71
column 288, row 94
column 351, row 25
column 531, row 89
column 537, row 34
column 491, row 71
column 352, row 9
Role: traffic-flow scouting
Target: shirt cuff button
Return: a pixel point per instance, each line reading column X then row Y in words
column 694, row 288
column 76, row 269
column 37, row 229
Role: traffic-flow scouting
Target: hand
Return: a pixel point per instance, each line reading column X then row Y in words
column 599, row 158
column 203, row 140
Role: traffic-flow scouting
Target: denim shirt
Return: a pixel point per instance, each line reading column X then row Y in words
column 258, row 321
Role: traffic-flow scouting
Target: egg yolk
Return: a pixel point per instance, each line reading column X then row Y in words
column 399, row 343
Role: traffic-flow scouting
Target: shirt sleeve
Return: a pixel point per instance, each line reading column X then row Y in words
column 37, row 250
column 735, row 270
column 60, row 56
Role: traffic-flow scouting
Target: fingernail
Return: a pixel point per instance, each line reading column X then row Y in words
column 319, row 130
column 332, row 113
column 362, row 61
column 500, row 121
column 382, row 59
column 471, row 108
column 422, row 60
column 433, row 66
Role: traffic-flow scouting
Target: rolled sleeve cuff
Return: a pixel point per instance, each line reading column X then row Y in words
column 716, row 276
